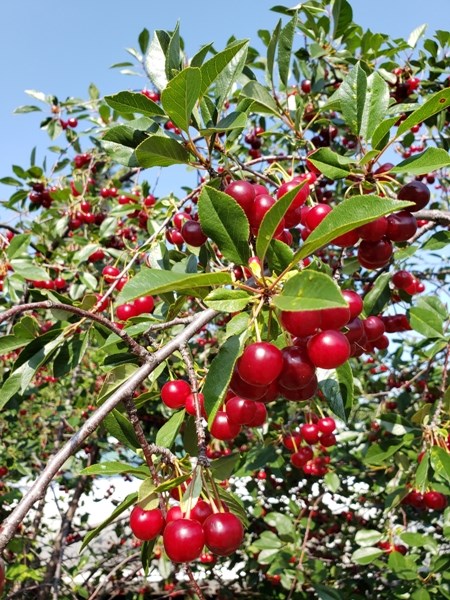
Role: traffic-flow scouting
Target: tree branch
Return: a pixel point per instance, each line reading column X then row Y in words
column 38, row 489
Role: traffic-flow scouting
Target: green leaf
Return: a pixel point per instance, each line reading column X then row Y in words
column 131, row 102
column 223, row 467
column 238, row 324
column 332, row 481
column 180, row 96
column 124, row 135
column 225, row 66
column 440, row 460
column 368, row 537
column 309, row 290
column 366, row 555
column 375, row 106
column 281, row 522
column 342, row 17
column 380, row 136
column 396, row 424
column 155, row 59
column 268, row 540
column 129, row 501
column 120, row 427
column 156, row 281
column 18, row 245
column 325, row 593
column 26, row 268
column 143, row 40
column 434, row 104
column 115, row 468
column 233, row 120
column 330, row 163
column 379, row 296
column 419, row 540
column 169, row 431
column 416, row 34
column 261, row 98
column 147, row 497
column 403, row 566
column 437, row 241
column 285, row 44
column 426, row 321
column 224, row 221
column 36, row 354
column 271, row 49
column 272, row 219
column 380, row 452
column 346, row 216
column 226, row 300
column 430, row 160
column 338, row 391
column 352, row 96
column 219, row 376
column 173, row 53
column 159, row 151
column 279, row 256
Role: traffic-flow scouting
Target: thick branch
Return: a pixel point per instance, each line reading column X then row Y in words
column 38, row 489
column 438, row 216
column 49, row 304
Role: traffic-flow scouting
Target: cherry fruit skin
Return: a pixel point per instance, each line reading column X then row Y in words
column 373, row 255
column 192, row 234
column 144, row 304
column 402, row 279
column 174, row 393
column 260, row 363
column 374, row 328
column 435, row 500
column 302, row 456
column 374, row 231
column 355, row 303
column 244, row 194
column 125, row 311
column 190, row 405
column 310, row 433
column 316, row 215
column 201, row 511
column 326, row 425
column 222, row 428
column 297, row 368
column 401, row 226
column 245, row 390
column 146, row 524
column 240, row 411
column 301, row 323
column 260, row 416
column 174, row 513
column 334, row 318
column 183, row 540
column 328, row 349
column 417, row 192
column 224, row 533
column 300, row 197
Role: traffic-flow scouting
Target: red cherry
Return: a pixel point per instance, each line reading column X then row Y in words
column 373, row 255
column 260, row 415
column 224, row 533
column 302, row 456
column 261, row 205
column 354, row 302
column 326, row 425
column 201, row 511
column 183, row 540
column 306, row 86
column 110, row 273
column 125, row 311
column 244, row 194
column 417, row 192
column 316, row 215
column 435, row 500
column 327, row 440
column 300, row 197
column 192, row 234
column 174, row 393
column 374, row 328
column 245, row 390
column 260, row 363
column 240, row 411
column 174, row 513
column 297, row 369
column 146, row 524
column 222, row 428
column 374, row 231
column 300, row 394
column 144, row 304
column 346, row 240
column 328, row 349
column 301, row 323
column 402, row 279
column 334, row 318
column 310, row 433
column 190, row 405
column 401, row 226
column 292, row 440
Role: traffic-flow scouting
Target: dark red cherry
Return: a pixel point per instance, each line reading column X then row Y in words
column 260, row 416
column 373, row 328
column 435, row 500
column 310, row 433
column 374, row 231
column 144, row 304
column 417, row 192
column 244, row 194
column 192, row 234
column 190, row 405
column 302, row 456
column 240, row 411
column 401, row 226
column 326, row 425
column 316, row 215
column 402, row 279
column 297, row 370
column 201, row 511
column 354, row 302
column 245, row 390
column 373, row 255
column 300, row 394
column 301, row 323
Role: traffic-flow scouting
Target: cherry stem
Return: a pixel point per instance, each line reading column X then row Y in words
column 194, row 583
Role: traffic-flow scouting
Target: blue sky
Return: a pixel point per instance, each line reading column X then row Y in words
column 61, row 48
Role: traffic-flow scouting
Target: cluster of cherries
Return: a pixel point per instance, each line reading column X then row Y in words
column 186, row 535
column 186, row 230
column 254, row 139
column 317, row 432
column 139, row 306
column 41, row 195
column 432, row 500
column 227, row 423
column 72, row 122
column 405, row 281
